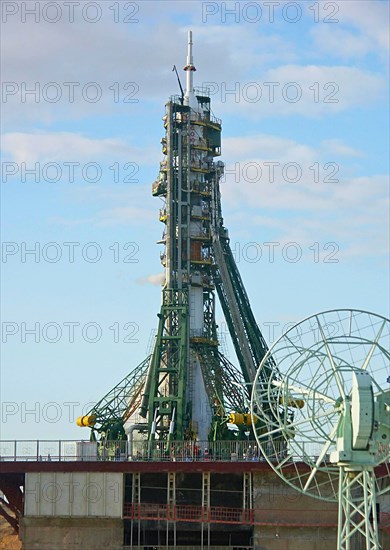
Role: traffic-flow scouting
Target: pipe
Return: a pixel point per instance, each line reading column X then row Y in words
column 138, row 427
column 145, row 397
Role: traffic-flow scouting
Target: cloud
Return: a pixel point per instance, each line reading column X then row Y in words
column 157, row 279
column 237, row 50
column 328, row 40
column 339, row 148
column 272, row 148
column 352, row 211
column 113, row 55
column 68, row 146
column 61, row 55
column 370, row 17
column 228, row 55
column 259, row 188
column 362, row 30
column 107, row 206
column 304, row 90
column 250, row 158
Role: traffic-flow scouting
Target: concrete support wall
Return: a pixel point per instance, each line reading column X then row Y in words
column 276, row 502
column 312, row 523
column 72, row 511
column 84, row 511
column 47, row 533
column 74, row 494
column 291, row 538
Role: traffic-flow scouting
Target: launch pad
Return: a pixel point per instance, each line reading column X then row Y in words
column 172, row 460
column 187, row 390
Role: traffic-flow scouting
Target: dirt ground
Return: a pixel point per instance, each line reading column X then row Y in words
column 9, row 540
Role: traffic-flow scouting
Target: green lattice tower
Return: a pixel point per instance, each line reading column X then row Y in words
column 185, row 182
column 187, row 370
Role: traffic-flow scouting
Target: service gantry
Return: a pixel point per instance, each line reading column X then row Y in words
column 187, row 389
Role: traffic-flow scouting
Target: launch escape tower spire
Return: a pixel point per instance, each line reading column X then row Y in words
column 187, row 388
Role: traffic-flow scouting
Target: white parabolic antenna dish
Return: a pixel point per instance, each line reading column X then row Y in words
column 323, row 410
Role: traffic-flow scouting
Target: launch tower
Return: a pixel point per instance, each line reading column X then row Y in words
column 187, row 389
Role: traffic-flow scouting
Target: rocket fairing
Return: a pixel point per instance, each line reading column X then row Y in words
column 189, row 96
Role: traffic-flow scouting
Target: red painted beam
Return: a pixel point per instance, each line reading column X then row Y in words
column 19, row 467
column 133, row 466
column 12, row 521
column 10, row 485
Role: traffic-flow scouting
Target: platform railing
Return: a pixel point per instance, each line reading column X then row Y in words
column 288, row 517
column 155, row 451
column 181, row 547
column 300, row 517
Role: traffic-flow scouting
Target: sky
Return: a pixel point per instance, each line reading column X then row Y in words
column 302, row 91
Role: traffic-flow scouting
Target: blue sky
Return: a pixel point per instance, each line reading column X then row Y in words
column 326, row 128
